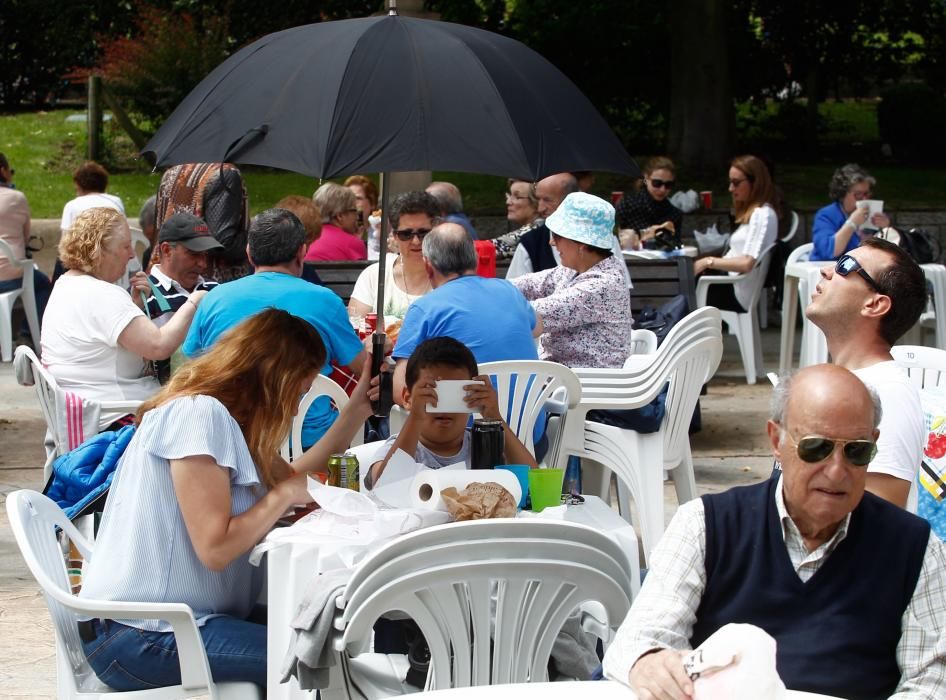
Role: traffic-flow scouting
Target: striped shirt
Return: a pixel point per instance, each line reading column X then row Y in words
column 663, row 615
column 174, row 294
column 143, row 552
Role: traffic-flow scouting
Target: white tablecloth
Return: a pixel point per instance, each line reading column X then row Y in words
column 299, row 556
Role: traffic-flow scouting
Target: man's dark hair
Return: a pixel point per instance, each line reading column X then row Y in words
column 904, row 282
column 416, row 202
column 91, row 177
column 443, row 351
column 274, row 237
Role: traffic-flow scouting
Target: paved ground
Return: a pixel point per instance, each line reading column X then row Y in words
column 730, row 450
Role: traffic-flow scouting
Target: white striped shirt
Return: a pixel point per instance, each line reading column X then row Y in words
column 143, row 552
column 664, row 613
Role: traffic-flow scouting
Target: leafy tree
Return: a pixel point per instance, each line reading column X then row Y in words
column 43, row 41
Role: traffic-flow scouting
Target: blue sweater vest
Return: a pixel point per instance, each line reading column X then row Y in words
column 536, row 243
column 837, row 633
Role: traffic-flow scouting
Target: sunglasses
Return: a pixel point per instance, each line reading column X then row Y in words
column 657, row 183
column 406, row 234
column 735, row 183
column 847, row 264
column 813, row 449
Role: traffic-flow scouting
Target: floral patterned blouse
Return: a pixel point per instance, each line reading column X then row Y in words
column 587, row 316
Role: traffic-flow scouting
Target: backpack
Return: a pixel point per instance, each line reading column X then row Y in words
column 922, row 246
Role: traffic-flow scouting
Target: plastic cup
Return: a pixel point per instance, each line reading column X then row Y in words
column 706, row 197
column 522, row 474
column 545, row 485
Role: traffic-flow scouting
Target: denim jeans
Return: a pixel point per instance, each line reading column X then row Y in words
column 128, row 658
column 42, row 288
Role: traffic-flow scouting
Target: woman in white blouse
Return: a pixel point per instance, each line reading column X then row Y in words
column 200, row 484
column 753, row 194
column 413, row 215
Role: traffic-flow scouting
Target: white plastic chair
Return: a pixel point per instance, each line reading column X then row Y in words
column 745, row 326
column 686, row 359
column 643, row 342
column 929, row 320
column 26, row 295
column 925, row 366
column 52, row 399
column 139, row 240
column 792, row 228
column 764, row 298
column 495, row 593
column 526, row 388
column 322, row 386
column 34, row 519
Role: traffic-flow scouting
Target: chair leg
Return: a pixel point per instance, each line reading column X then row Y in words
column 596, row 479
column 764, row 308
column 745, row 339
column 684, row 479
column 6, row 327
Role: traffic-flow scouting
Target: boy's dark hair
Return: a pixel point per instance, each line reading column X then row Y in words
column 442, row 350
column 91, row 177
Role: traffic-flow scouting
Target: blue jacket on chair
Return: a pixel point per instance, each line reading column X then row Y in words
column 82, row 475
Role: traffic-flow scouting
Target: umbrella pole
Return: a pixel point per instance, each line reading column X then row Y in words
column 382, row 407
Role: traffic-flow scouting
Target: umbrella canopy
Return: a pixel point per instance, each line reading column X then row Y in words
column 390, row 93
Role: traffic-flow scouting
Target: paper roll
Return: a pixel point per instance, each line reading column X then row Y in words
column 425, row 491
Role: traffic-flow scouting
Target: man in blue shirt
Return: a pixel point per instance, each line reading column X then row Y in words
column 490, row 316
column 276, row 245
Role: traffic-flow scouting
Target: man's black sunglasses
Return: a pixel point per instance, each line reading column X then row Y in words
column 406, row 234
column 847, row 264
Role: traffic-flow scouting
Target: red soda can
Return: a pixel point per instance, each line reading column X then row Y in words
column 616, row 197
column 371, row 323
column 707, row 198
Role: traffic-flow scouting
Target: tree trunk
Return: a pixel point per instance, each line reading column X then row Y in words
column 702, row 116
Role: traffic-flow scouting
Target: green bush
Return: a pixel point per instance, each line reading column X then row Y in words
column 910, row 118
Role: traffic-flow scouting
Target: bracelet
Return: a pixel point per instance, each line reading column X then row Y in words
column 709, row 262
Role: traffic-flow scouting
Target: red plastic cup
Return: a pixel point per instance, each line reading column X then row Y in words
column 616, row 197
column 707, row 198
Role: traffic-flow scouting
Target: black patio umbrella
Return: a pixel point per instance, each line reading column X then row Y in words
column 385, row 94
column 390, row 93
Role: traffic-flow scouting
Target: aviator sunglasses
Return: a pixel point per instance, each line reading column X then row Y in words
column 406, row 234
column 814, row 448
column 847, row 264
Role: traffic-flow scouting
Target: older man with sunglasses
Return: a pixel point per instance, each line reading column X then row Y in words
column 863, row 304
column 852, row 588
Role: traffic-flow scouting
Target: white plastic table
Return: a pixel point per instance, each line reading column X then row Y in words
column 800, row 280
column 599, row 690
column 290, row 567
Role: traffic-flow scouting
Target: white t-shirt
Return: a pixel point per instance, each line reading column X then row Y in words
column 751, row 239
column 88, row 201
column 900, row 446
column 396, row 300
column 80, row 332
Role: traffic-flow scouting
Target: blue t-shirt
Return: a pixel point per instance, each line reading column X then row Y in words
column 490, row 316
column 827, row 222
column 230, row 303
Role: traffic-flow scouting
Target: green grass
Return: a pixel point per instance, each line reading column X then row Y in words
column 45, row 149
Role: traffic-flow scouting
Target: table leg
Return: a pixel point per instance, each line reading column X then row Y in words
column 789, row 315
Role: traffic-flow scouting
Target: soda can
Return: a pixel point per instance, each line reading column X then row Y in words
column 706, row 197
column 343, row 471
column 486, row 444
column 371, row 323
column 616, row 197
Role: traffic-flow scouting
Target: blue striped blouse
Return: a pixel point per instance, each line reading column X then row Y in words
column 143, row 552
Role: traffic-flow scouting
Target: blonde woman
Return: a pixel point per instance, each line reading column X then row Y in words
column 200, row 484
column 753, row 195
column 96, row 339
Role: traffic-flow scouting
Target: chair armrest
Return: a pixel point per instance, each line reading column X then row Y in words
column 195, row 669
column 128, row 405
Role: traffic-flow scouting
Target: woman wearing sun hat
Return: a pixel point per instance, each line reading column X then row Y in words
column 583, row 303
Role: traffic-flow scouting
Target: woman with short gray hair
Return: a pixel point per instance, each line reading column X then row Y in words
column 339, row 239
column 833, row 232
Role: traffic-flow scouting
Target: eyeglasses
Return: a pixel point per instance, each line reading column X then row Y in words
column 861, row 196
column 814, row 448
column 847, row 264
column 657, row 183
column 406, row 234
column 517, row 197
